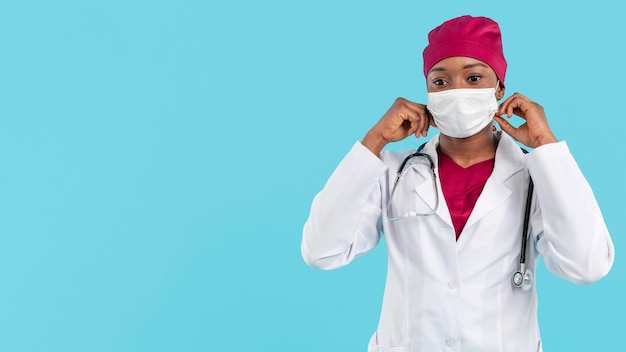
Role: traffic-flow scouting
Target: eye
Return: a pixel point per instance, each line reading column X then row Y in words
column 439, row 82
column 474, row 78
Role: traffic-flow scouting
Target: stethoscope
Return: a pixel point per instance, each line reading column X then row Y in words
column 523, row 277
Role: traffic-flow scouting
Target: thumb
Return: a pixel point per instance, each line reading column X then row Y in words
column 505, row 125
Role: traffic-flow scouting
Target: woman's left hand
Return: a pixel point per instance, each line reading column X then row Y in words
column 533, row 133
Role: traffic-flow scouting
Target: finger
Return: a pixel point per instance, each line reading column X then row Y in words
column 405, row 123
column 409, row 109
column 414, row 105
column 419, row 131
column 432, row 119
column 414, row 116
column 423, row 119
column 413, row 128
column 421, row 115
column 428, row 121
column 411, row 115
column 505, row 126
column 410, row 123
column 510, row 107
column 504, row 106
column 516, row 104
column 423, row 129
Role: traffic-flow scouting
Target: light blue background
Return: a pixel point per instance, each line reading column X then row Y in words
column 158, row 160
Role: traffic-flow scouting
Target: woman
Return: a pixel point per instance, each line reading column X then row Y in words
column 454, row 215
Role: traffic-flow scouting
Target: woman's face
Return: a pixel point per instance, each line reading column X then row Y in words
column 462, row 72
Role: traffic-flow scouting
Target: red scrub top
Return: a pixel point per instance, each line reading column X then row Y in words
column 461, row 187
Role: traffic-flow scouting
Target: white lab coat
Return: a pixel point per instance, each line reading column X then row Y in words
column 447, row 295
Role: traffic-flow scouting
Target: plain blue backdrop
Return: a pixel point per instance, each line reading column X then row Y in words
column 158, row 160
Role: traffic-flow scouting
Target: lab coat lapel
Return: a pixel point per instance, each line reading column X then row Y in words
column 426, row 190
column 429, row 195
column 493, row 195
column 509, row 161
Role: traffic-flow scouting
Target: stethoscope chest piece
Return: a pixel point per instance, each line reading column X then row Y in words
column 523, row 278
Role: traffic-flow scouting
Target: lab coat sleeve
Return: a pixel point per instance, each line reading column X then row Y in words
column 344, row 221
column 573, row 240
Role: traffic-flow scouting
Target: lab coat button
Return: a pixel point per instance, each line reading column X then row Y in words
column 450, row 341
column 452, row 284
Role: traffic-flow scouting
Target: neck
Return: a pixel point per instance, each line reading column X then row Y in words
column 471, row 150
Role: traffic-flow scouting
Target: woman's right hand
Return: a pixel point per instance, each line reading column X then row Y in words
column 403, row 119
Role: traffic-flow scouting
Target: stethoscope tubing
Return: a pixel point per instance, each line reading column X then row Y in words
column 529, row 197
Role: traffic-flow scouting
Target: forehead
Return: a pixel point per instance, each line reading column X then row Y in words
column 459, row 63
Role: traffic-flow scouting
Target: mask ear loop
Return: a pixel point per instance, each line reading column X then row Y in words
column 495, row 91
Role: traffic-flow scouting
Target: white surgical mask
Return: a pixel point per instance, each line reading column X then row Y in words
column 462, row 112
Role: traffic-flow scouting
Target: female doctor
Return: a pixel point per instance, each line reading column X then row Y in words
column 462, row 247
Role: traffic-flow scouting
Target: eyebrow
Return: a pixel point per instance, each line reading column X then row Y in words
column 439, row 69
column 474, row 65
